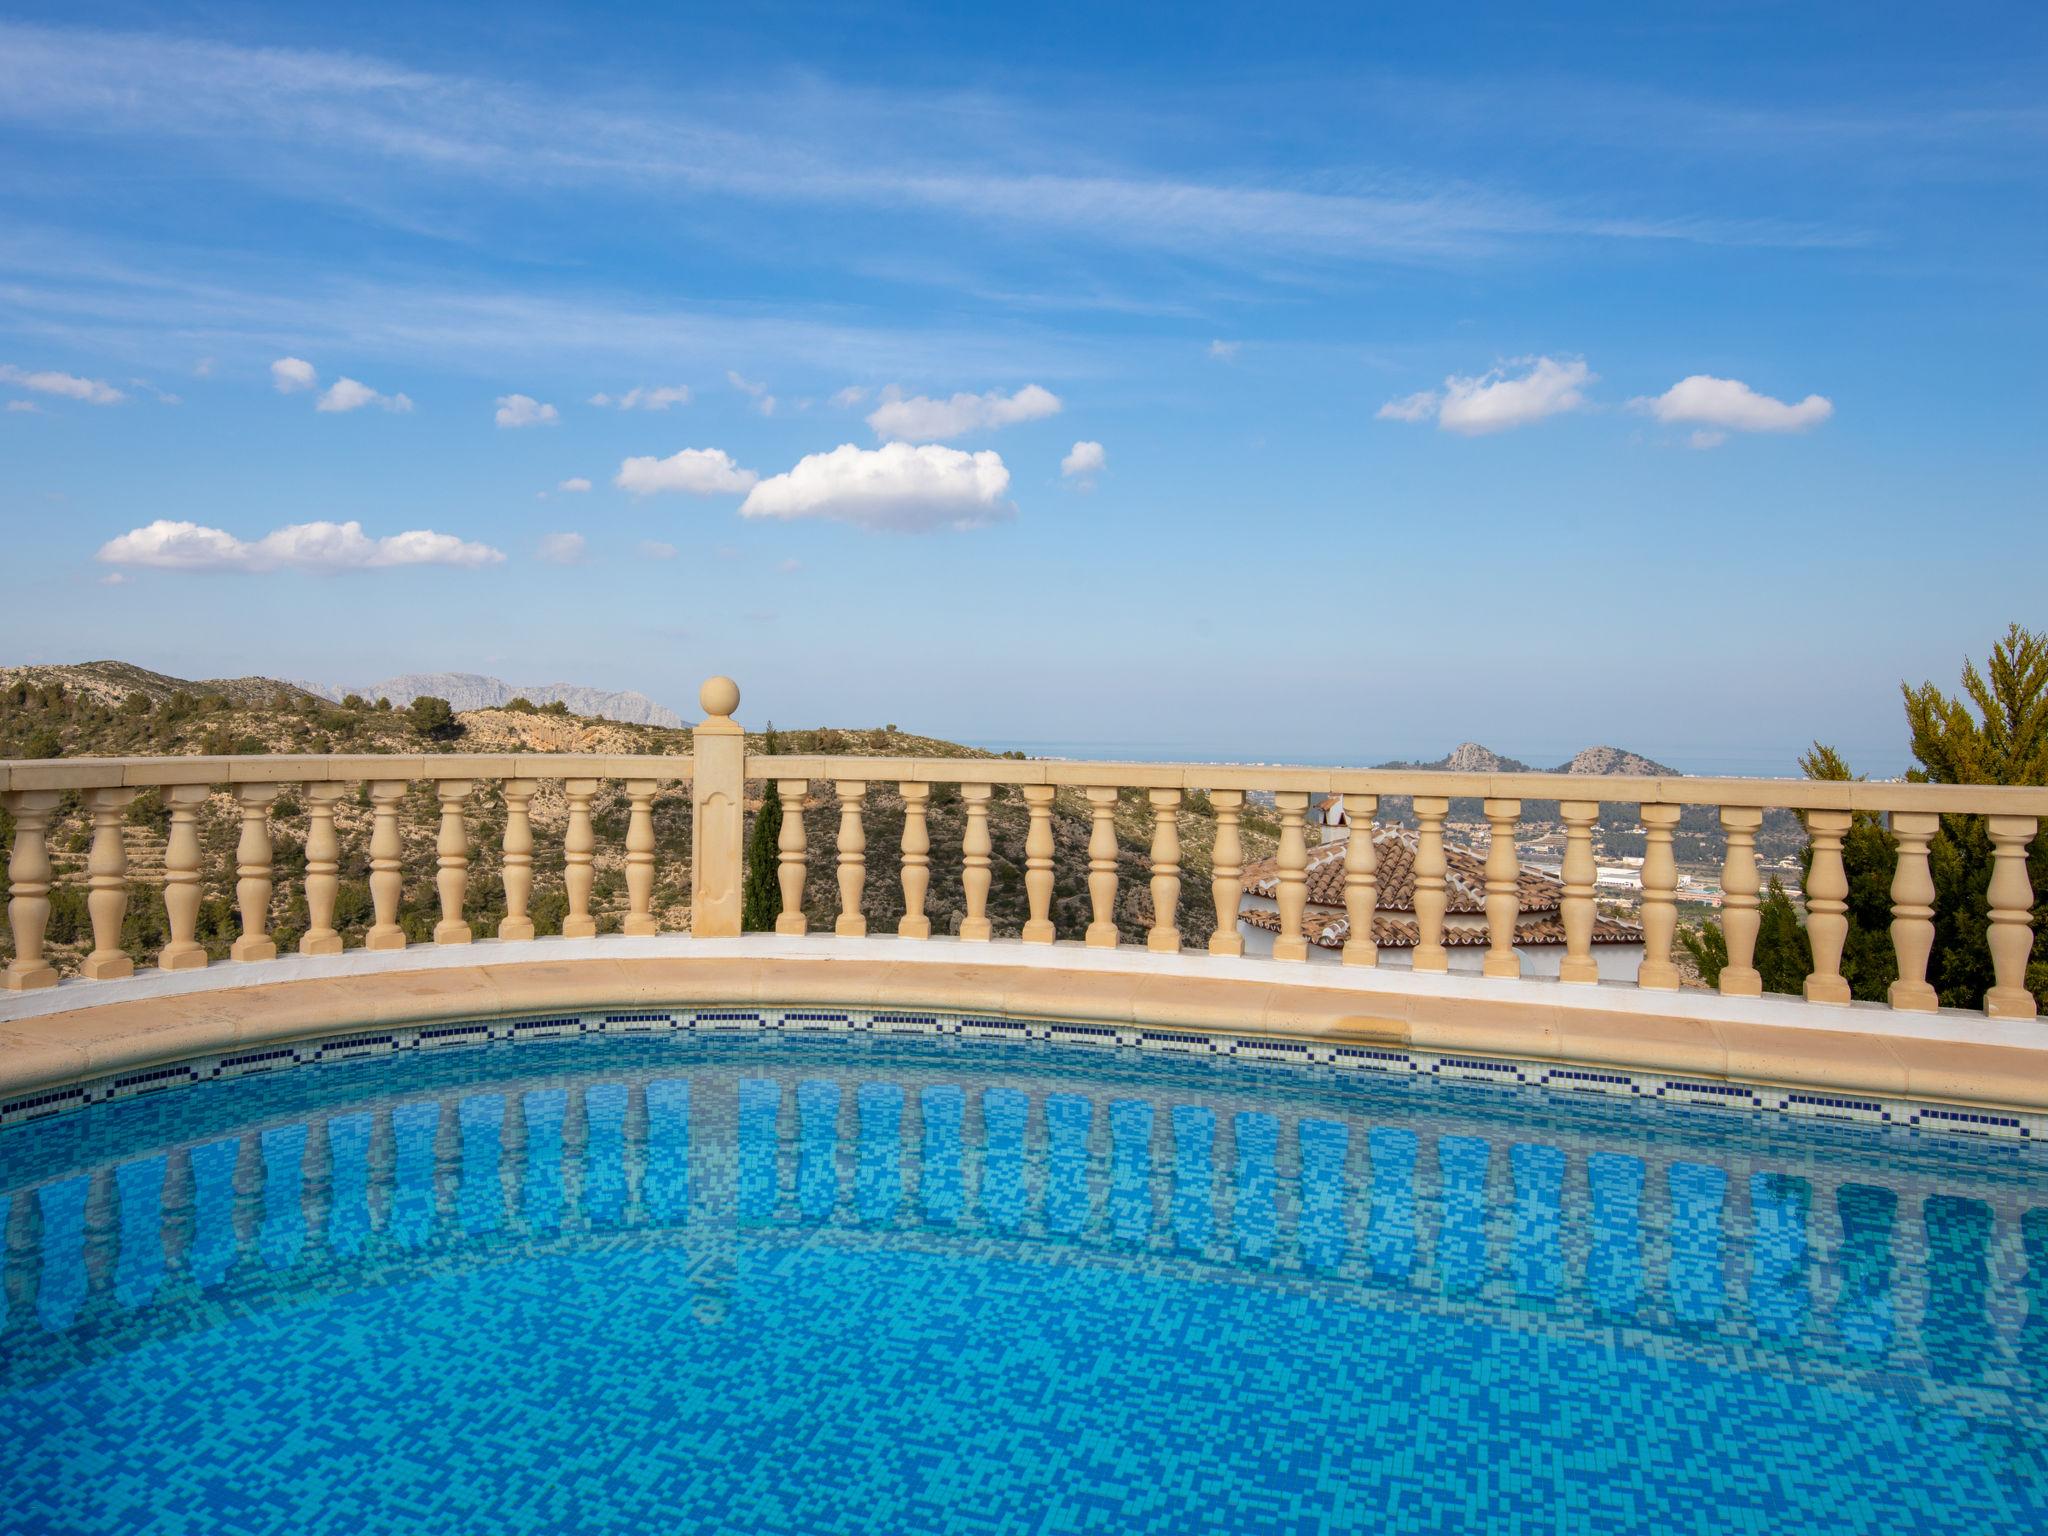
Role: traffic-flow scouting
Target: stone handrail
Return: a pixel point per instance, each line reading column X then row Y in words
column 721, row 766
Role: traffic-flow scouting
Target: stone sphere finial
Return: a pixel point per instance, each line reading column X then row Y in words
column 720, row 696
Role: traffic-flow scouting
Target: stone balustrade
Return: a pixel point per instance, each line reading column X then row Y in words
column 721, row 767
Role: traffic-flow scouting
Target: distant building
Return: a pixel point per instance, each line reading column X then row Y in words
column 1539, row 930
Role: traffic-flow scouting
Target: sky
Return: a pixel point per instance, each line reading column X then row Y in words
column 1323, row 384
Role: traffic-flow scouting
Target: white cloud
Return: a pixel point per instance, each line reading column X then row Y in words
column 1085, row 459
column 895, row 488
column 113, row 579
column 656, row 549
column 922, row 419
column 320, row 546
column 1732, row 405
column 697, row 471
column 23, row 405
column 1224, row 351
column 347, row 394
column 1706, row 439
column 763, row 401
column 574, row 483
column 203, row 368
column 1496, row 400
column 1419, row 406
column 289, row 375
column 646, row 397
column 563, row 548
column 847, row 398
column 68, row 385
column 525, row 411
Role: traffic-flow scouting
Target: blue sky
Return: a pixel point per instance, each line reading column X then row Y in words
column 1325, row 384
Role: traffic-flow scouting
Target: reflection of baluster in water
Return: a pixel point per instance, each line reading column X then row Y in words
column 1325, row 1229
column 348, row 1156
column 1067, row 1119
column 317, row 1195
column 2032, row 1350
column 284, row 1184
column 760, row 1143
column 1537, row 1252
column 1778, row 1206
column 512, row 1157
column 178, row 1214
column 540, row 1190
column 213, row 1211
column 1957, row 1330
column 665, row 1187
column 1194, row 1175
column 1863, row 1311
column 140, row 1268
column 102, row 1231
column 24, row 1246
column 817, row 1129
column 1698, row 1193
column 1003, row 1115
column 480, row 1202
column 249, row 1180
column 1390, row 1234
column 61, row 1289
column 878, row 1170
column 604, row 1154
column 383, row 1162
column 1130, row 1169
column 1254, row 1205
column 1461, row 1163
column 1614, row 1264
column 414, row 1128
column 633, row 1154
column 447, row 1163
column 941, row 1182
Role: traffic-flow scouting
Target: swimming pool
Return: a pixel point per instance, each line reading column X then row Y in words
column 750, row 1281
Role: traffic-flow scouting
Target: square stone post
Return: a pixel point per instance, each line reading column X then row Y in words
column 718, row 814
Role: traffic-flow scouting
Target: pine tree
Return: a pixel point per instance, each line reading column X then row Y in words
column 761, row 896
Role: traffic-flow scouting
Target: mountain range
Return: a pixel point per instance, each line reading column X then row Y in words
column 1471, row 757
column 472, row 690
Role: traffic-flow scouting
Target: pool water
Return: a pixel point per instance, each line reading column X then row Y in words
column 756, row 1282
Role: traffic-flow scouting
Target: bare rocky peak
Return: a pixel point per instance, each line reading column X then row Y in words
column 1613, row 760
column 473, row 690
column 1468, row 757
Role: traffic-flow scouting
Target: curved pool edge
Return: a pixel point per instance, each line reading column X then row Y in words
column 85, row 1032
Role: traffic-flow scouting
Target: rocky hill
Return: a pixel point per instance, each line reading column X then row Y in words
column 1614, row 760
column 472, row 690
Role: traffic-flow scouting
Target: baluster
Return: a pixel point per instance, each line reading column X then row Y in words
column 917, row 861
column 1431, row 895
column 518, row 857
column 1165, row 934
column 1913, row 911
column 1576, row 907
column 387, row 880
column 1226, row 861
column 1827, row 923
column 640, row 858
column 1503, row 889
column 1660, row 899
column 789, row 854
column 252, row 870
column 2012, row 917
column 323, row 864
column 974, row 851
column 1102, row 869
column 853, row 863
column 451, row 861
column 1293, row 861
column 1361, row 880
column 183, row 952
column 1038, row 863
column 1739, row 887
column 106, row 867
column 578, row 844
column 28, row 873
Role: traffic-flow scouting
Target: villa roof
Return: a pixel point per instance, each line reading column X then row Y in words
column 1332, row 930
column 1465, row 877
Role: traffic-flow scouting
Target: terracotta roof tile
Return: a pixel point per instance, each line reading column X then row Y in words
column 1394, row 851
column 1332, row 930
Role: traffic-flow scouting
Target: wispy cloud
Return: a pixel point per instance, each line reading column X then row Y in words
column 525, row 411
column 68, row 385
column 182, row 546
column 346, row 394
column 1511, row 394
column 645, row 397
column 763, row 401
column 289, row 375
column 563, row 548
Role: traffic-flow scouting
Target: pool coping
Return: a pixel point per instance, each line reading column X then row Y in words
column 1860, row 1054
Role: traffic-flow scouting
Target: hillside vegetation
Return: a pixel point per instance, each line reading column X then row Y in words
column 111, row 709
